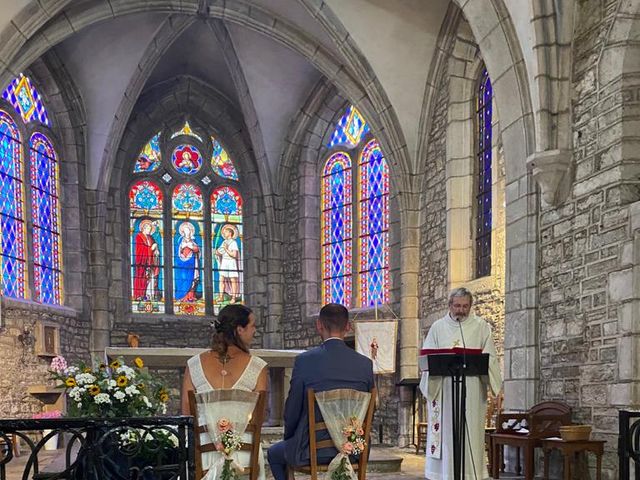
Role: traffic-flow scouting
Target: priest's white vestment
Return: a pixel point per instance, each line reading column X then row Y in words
column 445, row 333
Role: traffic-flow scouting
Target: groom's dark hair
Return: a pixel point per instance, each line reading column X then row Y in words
column 334, row 317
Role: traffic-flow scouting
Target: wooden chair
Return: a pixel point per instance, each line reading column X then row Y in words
column 314, row 427
column 494, row 409
column 421, row 444
column 543, row 420
column 255, row 426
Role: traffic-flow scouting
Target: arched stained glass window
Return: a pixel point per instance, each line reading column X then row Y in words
column 12, row 227
column 147, row 248
column 45, row 215
column 374, row 226
column 221, row 163
column 336, row 228
column 484, row 179
column 350, row 130
column 227, row 247
column 26, row 100
column 150, row 157
column 188, row 247
column 186, row 130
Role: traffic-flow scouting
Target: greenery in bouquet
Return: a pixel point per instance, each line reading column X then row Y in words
column 228, row 442
column 354, row 444
column 114, row 390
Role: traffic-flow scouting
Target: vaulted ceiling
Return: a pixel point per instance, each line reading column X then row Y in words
column 264, row 56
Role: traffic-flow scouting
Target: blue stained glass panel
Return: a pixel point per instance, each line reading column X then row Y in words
column 46, row 221
column 350, row 130
column 26, row 100
column 484, row 176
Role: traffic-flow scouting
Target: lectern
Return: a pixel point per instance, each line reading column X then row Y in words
column 458, row 363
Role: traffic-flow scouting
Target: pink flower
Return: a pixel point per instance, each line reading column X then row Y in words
column 51, row 414
column 219, row 446
column 347, row 448
column 360, row 446
column 360, row 431
column 58, row 364
column 224, row 425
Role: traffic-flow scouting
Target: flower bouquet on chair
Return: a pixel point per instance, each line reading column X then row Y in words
column 227, row 414
column 344, row 412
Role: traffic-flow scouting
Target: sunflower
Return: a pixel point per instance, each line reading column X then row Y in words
column 93, row 390
column 141, row 386
column 70, row 382
column 102, row 366
column 164, row 396
column 139, row 363
column 115, row 364
column 86, row 369
column 122, row 381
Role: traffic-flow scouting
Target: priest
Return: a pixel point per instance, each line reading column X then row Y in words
column 458, row 328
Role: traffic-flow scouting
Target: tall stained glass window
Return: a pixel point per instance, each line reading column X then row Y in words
column 12, row 226
column 188, row 247
column 227, row 246
column 351, row 138
column 196, row 267
column 337, row 230
column 374, row 226
column 147, row 247
column 484, row 180
column 29, row 188
column 45, row 216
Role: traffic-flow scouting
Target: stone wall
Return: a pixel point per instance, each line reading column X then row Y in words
column 433, row 280
column 22, row 367
column 587, row 244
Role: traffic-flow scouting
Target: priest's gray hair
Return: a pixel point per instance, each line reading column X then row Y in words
column 460, row 292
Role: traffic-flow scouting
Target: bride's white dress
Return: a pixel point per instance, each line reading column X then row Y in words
column 247, row 382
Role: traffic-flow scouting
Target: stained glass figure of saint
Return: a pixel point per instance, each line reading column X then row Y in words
column 186, row 159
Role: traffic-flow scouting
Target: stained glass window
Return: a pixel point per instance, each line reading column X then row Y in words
column 350, row 130
column 221, row 163
column 336, row 230
column 227, row 247
column 374, row 226
column 483, row 177
column 186, row 159
column 45, row 215
column 186, row 130
column 147, row 248
column 26, row 100
column 150, row 157
column 12, row 227
column 188, row 250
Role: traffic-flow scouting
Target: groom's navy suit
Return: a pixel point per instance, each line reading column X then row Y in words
column 330, row 366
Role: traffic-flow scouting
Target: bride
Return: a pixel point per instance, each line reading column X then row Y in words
column 228, row 365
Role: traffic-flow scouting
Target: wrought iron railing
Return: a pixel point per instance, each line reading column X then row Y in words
column 628, row 443
column 102, row 448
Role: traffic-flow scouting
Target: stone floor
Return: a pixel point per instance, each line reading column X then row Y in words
column 412, row 465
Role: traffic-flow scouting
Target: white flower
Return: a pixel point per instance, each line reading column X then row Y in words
column 102, row 398
column 85, row 379
column 146, row 401
column 112, row 383
column 79, row 404
column 127, row 371
column 164, row 408
column 131, row 390
column 119, row 395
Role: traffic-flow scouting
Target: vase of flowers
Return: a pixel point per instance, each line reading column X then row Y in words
column 52, row 443
column 113, row 390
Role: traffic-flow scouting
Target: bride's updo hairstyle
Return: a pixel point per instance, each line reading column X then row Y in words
column 226, row 328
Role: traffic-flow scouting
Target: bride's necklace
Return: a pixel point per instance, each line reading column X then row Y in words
column 224, row 359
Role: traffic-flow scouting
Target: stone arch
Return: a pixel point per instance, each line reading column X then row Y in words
column 31, row 35
column 157, row 108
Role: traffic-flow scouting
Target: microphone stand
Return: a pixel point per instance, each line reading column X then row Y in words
column 463, row 403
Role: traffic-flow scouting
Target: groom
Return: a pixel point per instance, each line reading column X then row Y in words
column 330, row 366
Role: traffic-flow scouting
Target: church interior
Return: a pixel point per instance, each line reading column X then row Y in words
column 160, row 159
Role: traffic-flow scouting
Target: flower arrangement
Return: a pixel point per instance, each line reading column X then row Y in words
column 114, row 390
column 229, row 442
column 354, row 444
column 46, row 415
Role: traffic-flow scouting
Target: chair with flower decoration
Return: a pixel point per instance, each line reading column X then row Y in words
column 315, row 427
column 203, row 443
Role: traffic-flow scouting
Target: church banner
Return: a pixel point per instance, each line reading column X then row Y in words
column 377, row 340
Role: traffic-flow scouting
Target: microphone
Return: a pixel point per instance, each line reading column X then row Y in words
column 464, row 344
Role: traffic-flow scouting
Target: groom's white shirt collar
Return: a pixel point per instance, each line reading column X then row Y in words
column 333, row 338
